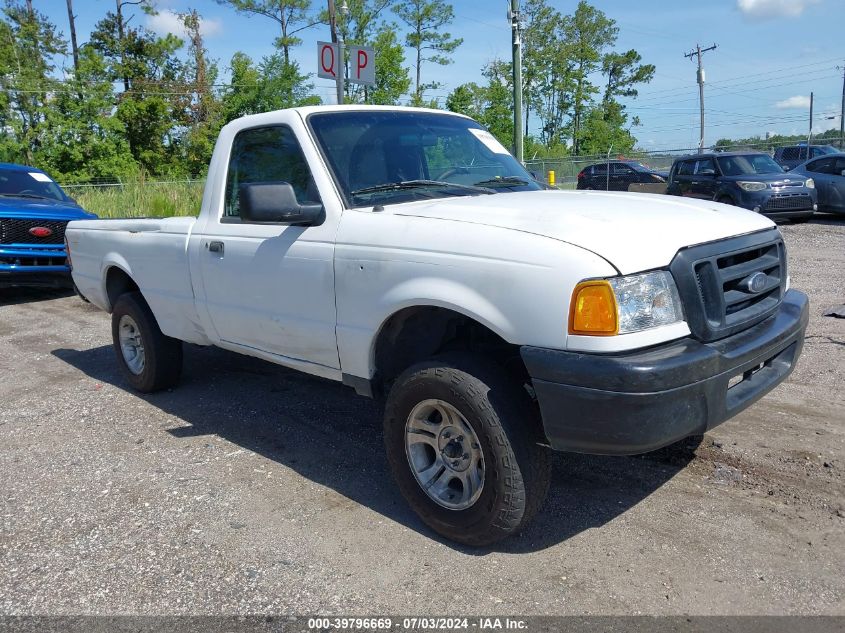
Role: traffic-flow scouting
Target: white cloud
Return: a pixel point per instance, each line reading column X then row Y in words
column 801, row 102
column 167, row 21
column 770, row 9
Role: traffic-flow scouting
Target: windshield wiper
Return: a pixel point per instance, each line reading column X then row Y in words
column 505, row 181
column 420, row 184
column 24, row 195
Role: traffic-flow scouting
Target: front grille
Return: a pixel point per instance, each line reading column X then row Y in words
column 789, row 202
column 39, row 260
column 14, row 231
column 714, row 281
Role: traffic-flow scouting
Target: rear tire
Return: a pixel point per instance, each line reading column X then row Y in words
column 149, row 360
column 473, row 418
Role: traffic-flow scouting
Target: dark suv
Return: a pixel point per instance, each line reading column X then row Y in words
column 792, row 156
column 747, row 179
column 623, row 173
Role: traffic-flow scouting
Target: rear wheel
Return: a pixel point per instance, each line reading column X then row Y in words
column 149, row 360
column 463, row 446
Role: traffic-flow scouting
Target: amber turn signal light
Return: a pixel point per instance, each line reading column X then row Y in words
column 592, row 311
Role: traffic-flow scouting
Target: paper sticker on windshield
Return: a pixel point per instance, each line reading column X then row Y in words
column 489, row 141
column 37, row 175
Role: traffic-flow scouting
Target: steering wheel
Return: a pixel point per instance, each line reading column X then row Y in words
column 29, row 191
column 451, row 172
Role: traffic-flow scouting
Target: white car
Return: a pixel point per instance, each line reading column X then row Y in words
column 407, row 254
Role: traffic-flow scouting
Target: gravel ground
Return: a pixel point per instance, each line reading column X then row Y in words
column 254, row 489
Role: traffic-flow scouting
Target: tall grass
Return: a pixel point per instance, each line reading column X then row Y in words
column 140, row 198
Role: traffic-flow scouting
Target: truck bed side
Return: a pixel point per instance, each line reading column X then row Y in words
column 152, row 253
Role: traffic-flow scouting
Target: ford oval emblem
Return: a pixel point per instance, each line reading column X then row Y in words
column 40, row 231
column 755, row 283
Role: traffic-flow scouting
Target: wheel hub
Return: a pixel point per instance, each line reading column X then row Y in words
column 131, row 344
column 454, row 449
column 444, row 454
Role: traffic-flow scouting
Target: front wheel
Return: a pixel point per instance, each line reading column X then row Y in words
column 150, row 360
column 463, row 447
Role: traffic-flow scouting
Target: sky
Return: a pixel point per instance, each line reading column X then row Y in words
column 770, row 55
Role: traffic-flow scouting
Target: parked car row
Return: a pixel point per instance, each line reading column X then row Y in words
column 748, row 179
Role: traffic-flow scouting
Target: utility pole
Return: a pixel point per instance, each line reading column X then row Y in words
column 700, row 78
column 810, row 133
column 842, row 115
column 513, row 14
column 341, row 65
column 72, row 19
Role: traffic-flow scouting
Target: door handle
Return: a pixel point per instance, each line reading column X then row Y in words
column 215, row 247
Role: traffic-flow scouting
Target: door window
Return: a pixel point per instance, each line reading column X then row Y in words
column 821, row 166
column 705, row 164
column 685, row 168
column 267, row 154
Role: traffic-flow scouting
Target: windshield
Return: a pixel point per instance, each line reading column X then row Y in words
column 29, row 184
column 384, row 157
column 748, row 164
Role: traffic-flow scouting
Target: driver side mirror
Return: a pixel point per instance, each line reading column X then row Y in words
column 276, row 203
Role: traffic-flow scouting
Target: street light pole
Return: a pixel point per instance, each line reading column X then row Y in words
column 341, row 66
column 513, row 14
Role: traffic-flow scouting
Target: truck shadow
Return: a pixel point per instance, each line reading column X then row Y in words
column 326, row 433
column 15, row 296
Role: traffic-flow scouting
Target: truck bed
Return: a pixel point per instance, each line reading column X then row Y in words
column 152, row 252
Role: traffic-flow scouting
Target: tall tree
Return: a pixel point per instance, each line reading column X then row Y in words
column 624, row 71
column 82, row 140
column 539, row 44
column 588, row 33
column 292, row 16
column 426, row 21
column 392, row 80
column 271, row 85
column 27, row 47
column 205, row 111
column 155, row 99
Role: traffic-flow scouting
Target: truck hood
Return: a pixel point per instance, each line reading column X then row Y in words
column 632, row 231
column 37, row 209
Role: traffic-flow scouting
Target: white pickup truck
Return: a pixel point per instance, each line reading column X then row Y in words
column 407, row 254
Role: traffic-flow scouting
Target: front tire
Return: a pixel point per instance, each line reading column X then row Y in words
column 462, row 443
column 149, row 360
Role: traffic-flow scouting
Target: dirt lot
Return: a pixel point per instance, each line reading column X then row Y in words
column 253, row 489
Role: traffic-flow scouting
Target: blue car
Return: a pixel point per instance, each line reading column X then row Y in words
column 828, row 172
column 746, row 179
column 33, row 214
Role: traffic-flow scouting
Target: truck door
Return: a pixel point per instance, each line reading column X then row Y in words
column 269, row 287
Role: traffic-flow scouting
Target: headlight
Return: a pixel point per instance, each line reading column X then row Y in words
column 751, row 186
column 810, row 184
column 621, row 305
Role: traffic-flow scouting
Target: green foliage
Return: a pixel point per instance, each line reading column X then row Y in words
column 139, row 198
column 140, row 106
column 426, row 20
column 392, row 80
column 272, row 85
column 292, row 16
column 82, row 140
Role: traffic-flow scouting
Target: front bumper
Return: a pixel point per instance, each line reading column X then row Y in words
column 795, row 203
column 33, row 265
column 630, row 403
